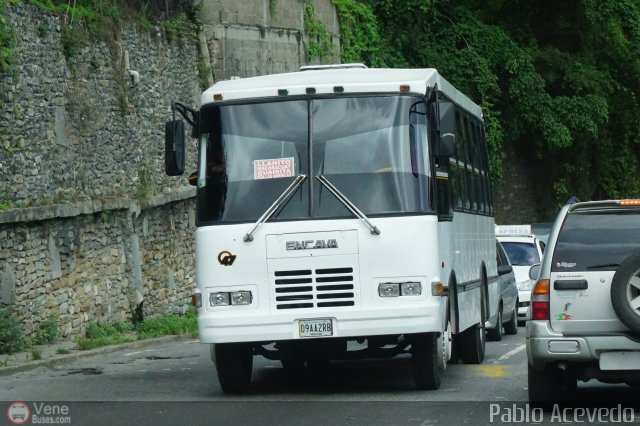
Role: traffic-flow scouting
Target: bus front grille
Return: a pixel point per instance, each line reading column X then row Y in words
column 309, row 288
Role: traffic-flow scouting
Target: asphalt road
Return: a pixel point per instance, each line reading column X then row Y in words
column 178, row 379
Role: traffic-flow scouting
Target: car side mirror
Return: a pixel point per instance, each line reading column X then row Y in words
column 174, row 148
column 534, row 271
column 504, row 269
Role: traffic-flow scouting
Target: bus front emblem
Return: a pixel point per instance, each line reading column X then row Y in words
column 311, row 244
column 225, row 258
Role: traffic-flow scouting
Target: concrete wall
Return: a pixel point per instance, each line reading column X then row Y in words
column 80, row 145
column 76, row 128
column 246, row 38
column 93, row 226
column 84, row 262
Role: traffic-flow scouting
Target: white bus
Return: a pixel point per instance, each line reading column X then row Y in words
column 342, row 212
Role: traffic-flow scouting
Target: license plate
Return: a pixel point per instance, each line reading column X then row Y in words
column 628, row 360
column 322, row 327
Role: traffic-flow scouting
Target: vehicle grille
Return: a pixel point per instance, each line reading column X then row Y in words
column 320, row 288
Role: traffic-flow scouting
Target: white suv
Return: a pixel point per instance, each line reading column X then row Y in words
column 585, row 306
column 523, row 249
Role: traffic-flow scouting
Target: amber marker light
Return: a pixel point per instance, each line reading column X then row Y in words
column 196, row 300
column 630, row 202
column 405, row 88
column 217, row 96
column 540, row 301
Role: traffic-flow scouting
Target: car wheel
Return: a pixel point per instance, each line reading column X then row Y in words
column 549, row 386
column 234, row 363
column 428, row 356
column 544, row 386
column 511, row 327
column 625, row 292
column 495, row 333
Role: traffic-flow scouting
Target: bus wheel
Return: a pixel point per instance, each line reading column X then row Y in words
column 428, row 360
column 234, row 362
column 471, row 345
column 293, row 366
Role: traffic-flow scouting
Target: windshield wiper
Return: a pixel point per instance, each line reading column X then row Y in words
column 276, row 205
column 348, row 204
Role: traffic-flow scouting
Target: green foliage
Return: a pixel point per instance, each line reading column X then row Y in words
column 560, row 81
column 360, row 40
column 167, row 325
column 72, row 39
column 36, row 354
column 100, row 334
column 48, row 332
column 63, row 351
column 204, row 73
column 273, row 4
column 11, row 334
column 7, row 41
column 320, row 44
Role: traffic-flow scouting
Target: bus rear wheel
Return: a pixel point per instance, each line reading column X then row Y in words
column 234, row 363
column 428, row 360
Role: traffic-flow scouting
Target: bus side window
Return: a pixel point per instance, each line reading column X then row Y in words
column 445, row 209
column 461, row 156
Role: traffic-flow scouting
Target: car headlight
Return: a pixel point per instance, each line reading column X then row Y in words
column 526, row 285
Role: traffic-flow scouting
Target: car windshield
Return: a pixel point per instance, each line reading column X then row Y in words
column 596, row 240
column 520, row 253
column 373, row 149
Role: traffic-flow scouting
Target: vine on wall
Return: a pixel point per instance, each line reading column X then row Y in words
column 7, row 41
column 320, row 44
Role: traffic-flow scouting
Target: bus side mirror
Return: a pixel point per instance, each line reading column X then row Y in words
column 174, row 148
column 447, row 142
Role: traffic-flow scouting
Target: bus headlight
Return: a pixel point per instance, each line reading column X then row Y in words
column 411, row 289
column 389, row 289
column 241, row 298
column 234, row 298
column 219, row 299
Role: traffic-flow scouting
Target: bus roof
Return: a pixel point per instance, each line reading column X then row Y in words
column 351, row 79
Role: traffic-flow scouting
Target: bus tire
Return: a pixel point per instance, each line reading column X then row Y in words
column 428, row 360
column 234, row 363
column 293, row 366
column 471, row 345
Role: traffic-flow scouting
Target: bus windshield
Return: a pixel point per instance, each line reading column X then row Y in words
column 373, row 149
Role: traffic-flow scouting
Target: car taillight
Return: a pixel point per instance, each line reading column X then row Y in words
column 540, row 301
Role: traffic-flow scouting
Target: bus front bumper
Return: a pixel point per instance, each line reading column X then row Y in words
column 216, row 328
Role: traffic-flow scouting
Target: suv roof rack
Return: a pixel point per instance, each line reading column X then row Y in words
column 331, row 67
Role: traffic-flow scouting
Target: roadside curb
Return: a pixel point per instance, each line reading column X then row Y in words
column 67, row 358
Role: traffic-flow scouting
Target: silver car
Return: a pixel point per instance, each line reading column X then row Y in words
column 585, row 306
column 506, row 309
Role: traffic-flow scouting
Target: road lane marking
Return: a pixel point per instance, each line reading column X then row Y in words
column 137, row 352
column 510, row 353
column 491, row 370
